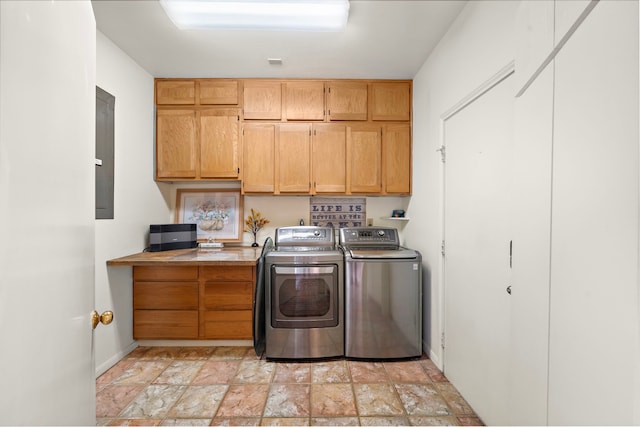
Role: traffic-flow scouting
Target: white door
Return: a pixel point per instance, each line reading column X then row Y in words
column 47, row 132
column 478, row 174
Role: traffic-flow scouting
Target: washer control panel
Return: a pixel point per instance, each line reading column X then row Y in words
column 369, row 236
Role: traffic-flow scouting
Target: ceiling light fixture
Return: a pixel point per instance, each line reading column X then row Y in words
column 304, row 15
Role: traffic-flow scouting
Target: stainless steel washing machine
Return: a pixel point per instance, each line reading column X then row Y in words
column 383, row 295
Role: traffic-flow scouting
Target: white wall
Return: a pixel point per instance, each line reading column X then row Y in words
column 138, row 199
column 285, row 211
column 478, row 45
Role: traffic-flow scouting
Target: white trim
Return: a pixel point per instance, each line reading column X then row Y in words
column 587, row 10
column 110, row 362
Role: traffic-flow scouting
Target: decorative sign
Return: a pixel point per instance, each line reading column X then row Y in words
column 338, row 212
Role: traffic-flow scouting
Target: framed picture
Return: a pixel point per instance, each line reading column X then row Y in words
column 217, row 212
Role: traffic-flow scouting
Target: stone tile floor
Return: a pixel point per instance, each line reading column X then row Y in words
column 232, row 386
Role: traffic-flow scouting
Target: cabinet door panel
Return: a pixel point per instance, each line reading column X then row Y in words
column 329, row 158
column 165, row 295
column 391, row 101
column 167, row 324
column 228, row 295
column 294, row 158
column 219, row 143
column 219, row 92
column 259, row 157
column 228, row 324
column 176, row 145
column 262, row 100
column 176, row 92
column 304, row 100
column 396, row 141
column 347, row 101
column 365, row 153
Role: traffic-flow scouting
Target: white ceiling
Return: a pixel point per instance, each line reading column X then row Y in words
column 383, row 40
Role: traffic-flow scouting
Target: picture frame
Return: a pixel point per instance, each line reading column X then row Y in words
column 217, row 213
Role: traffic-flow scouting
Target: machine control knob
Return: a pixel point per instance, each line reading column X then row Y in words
column 316, row 233
column 381, row 233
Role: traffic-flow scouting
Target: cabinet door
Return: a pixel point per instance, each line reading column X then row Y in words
column 258, row 158
column 304, row 100
column 262, row 100
column 391, row 101
column 219, row 92
column 396, row 151
column 219, row 143
column 176, row 149
column 329, row 158
column 365, row 159
column 347, row 100
column 175, row 92
column 293, row 158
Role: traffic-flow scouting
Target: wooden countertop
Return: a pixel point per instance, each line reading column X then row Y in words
column 240, row 255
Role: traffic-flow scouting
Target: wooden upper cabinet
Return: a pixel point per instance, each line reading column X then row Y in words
column 364, row 151
column 262, row 100
column 175, row 92
column 329, row 158
column 218, row 92
column 347, row 100
column 304, row 100
column 396, row 142
column 391, row 101
column 219, row 143
column 293, row 158
column 258, row 141
column 176, row 144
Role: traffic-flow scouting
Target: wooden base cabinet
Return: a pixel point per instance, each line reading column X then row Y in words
column 208, row 302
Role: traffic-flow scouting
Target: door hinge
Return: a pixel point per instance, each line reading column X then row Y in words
column 443, row 153
column 442, row 340
column 238, row 170
column 442, row 248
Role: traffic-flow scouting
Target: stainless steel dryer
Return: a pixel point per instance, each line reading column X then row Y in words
column 383, row 295
column 304, row 290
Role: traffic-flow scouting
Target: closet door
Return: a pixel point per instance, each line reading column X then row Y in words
column 593, row 354
column 478, row 176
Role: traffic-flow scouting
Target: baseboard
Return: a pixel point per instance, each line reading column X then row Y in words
column 106, row 365
column 432, row 355
column 194, row 343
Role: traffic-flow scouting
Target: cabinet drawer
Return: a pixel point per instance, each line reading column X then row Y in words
column 228, row 296
column 165, row 295
column 180, row 324
column 165, row 273
column 227, row 272
column 228, row 325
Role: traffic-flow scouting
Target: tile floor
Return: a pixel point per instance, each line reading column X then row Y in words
column 232, row 386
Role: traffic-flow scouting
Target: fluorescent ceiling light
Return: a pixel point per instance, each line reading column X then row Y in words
column 306, row 15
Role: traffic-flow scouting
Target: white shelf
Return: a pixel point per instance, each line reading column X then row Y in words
column 395, row 218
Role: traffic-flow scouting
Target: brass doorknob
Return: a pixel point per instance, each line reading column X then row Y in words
column 104, row 318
